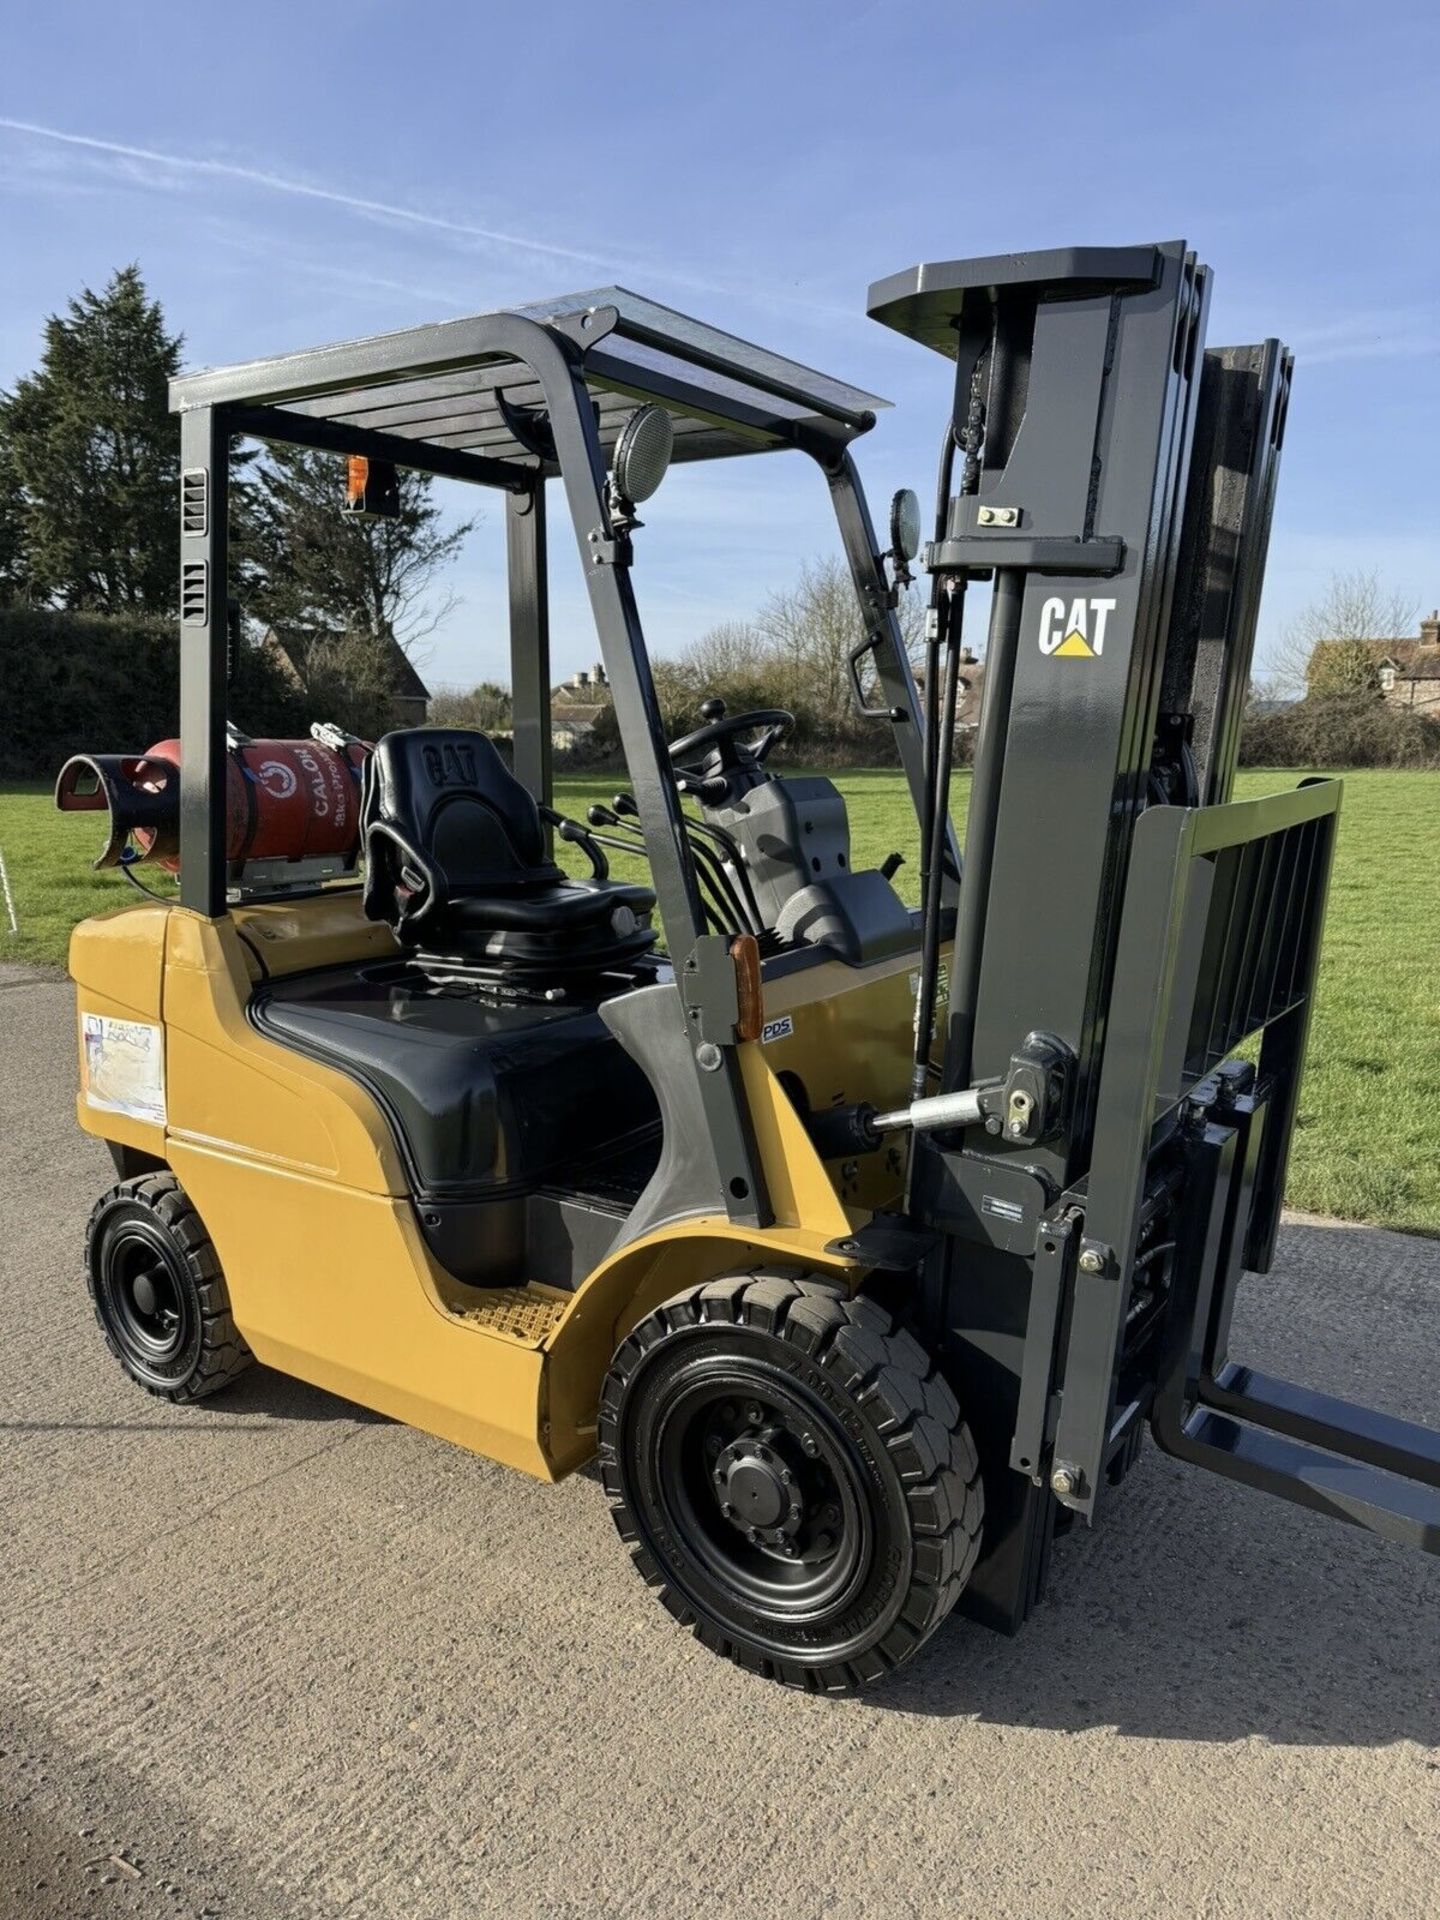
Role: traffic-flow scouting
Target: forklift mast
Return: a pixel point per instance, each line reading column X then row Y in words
column 1123, row 927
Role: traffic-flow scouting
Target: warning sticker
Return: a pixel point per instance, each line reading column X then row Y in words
column 942, row 994
column 124, row 1067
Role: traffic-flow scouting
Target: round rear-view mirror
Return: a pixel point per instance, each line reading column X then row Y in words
column 905, row 523
column 642, row 453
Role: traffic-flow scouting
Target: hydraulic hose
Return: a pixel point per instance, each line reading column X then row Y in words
column 935, row 835
column 1000, row 655
column 930, row 712
column 727, row 844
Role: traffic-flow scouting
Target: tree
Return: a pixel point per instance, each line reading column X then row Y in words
column 312, row 570
column 97, row 455
column 810, row 631
column 1321, row 654
column 352, row 679
column 13, row 576
column 795, row 653
column 486, row 707
column 1343, row 668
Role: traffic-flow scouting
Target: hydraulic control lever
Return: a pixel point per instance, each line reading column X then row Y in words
column 574, row 835
column 731, row 879
column 722, row 909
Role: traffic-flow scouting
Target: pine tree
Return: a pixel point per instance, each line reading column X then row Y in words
column 97, row 453
column 13, row 578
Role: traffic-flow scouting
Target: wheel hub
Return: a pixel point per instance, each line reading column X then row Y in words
column 148, row 1317
column 758, row 1491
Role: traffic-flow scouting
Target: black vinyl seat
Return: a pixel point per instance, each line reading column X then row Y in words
column 456, row 863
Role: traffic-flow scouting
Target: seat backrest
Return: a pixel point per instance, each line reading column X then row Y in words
column 441, row 800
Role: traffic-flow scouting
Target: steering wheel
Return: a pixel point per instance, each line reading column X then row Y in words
column 721, row 733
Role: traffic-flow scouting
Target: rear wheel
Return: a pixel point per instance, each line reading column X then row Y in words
column 792, row 1476
column 158, row 1291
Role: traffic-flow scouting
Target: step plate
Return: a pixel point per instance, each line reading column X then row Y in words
column 527, row 1315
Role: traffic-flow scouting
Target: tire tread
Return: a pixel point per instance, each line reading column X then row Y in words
column 915, row 1417
column 223, row 1355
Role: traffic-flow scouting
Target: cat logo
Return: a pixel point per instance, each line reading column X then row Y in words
column 1076, row 632
column 452, row 764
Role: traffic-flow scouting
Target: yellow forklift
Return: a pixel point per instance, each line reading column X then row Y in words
column 691, row 1175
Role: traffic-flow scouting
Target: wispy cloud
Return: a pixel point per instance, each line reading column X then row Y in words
column 304, row 190
column 392, row 213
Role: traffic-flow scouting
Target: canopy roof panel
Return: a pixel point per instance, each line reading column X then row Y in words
column 447, row 387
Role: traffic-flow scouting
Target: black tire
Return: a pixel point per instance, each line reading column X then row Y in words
column 774, row 1400
column 158, row 1292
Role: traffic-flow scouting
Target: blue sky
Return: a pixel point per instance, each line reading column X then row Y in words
column 291, row 174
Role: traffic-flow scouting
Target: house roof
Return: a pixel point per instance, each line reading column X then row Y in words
column 408, row 684
column 1414, row 659
column 1392, row 649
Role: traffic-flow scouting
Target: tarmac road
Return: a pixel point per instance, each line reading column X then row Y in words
column 271, row 1657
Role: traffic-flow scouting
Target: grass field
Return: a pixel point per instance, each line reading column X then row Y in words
column 1368, row 1141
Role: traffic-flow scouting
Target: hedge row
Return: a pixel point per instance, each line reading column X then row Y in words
column 110, row 683
column 1355, row 730
column 90, row 682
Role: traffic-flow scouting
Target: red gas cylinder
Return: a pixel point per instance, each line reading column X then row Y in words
column 284, row 800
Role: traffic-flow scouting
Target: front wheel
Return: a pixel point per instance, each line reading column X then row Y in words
column 792, row 1476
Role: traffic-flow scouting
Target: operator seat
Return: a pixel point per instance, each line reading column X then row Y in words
column 455, row 861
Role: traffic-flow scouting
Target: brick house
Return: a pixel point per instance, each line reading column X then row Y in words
column 1408, row 670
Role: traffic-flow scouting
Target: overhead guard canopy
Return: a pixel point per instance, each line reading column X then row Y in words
column 461, row 397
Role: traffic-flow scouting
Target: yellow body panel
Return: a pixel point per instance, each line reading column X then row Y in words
column 336, row 1287
column 293, row 1169
column 324, row 931
column 851, row 1042
column 234, row 1090
column 117, row 961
